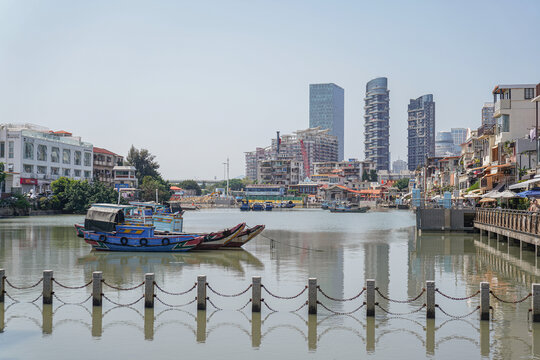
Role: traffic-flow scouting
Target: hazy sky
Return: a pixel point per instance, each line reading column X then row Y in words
column 195, row 82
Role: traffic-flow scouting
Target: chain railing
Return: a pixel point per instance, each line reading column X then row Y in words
column 457, row 298
column 284, row 297
column 510, row 301
column 175, row 293
column 337, row 299
column 228, row 295
column 120, row 288
column 400, row 301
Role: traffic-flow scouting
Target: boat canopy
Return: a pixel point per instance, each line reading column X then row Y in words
column 103, row 218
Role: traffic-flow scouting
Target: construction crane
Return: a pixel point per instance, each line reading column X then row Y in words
column 305, row 158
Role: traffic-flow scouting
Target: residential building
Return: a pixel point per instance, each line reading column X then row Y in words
column 353, row 169
column 319, row 145
column 399, row 165
column 125, row 177
column 326, row 111
column 280, row 172
column 514, row 111
column 444, row 145
column 34, row 156
column 104, row 162
column 377, row 123
column 487, row 114
column 421, row 130
column 459, row 135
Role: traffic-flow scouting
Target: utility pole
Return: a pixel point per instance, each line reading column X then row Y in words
column 226, row 175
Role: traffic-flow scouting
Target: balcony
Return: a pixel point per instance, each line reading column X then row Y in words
column 501, row 104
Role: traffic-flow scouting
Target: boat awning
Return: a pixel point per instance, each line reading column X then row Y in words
column 103, row 218
column 523, row 184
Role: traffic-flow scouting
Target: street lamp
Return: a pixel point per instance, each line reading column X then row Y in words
column 536, row 100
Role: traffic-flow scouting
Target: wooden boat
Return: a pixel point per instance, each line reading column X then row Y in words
column 245, row 236
column 268, row 206
column 219, row 239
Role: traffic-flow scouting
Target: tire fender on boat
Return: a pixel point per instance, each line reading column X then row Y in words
column 165, row 241
column 124, row 241
column 143, row 242
column 102, row 238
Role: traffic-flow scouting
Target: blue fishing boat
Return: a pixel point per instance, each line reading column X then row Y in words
column 105, row 229
column 244, row 206
column 257, row 207
column 268, row 206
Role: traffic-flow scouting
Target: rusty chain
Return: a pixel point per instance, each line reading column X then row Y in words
column 10, row 297
column 174, row 306
column 36, row 299
column 457, row 316
column 173, row 293
column 302, row 306
column 118, row 304
column 336, row 299
column 243, row 307
column 123, row 289
column 341, row 313
column 23, row 287
column 458, row 298
column 226, row 295
column 268, row 306
column 214, row 305
column 284, row 297
column 510, row 301
column 72, row 287
column 400, row 314
column 70, row 303
column 401, row 301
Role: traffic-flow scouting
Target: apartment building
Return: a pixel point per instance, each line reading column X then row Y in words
column 420, row 131
column 280, row 172
column 104, row 163
column 514, row 111
column 377, row 123
column 349, row 170
column 34, row 156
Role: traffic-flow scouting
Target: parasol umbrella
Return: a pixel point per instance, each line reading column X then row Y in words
column 484, row 200
column 506, row 194
column 530, row 193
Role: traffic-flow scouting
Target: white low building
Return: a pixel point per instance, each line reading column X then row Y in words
column 34, row 156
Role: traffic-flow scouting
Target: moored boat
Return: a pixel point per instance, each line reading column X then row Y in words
column 219, row 239
column 257, row 207
column 244, row 206
column 268, row 206
column 245, row 236
column 349, row 209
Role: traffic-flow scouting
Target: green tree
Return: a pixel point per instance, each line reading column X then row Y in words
column 402, row 184
column 373, row 175
column 75, row 196
column 190, row 185
column 149, row 186
column 144, row 163
column 3, row 175
column 365, row 175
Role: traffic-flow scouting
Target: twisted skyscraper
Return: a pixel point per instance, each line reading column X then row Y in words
column 377, row 123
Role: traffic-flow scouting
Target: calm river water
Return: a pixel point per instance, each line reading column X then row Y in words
column 340, row 250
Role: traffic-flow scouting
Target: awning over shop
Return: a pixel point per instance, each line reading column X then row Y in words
column 524, row 184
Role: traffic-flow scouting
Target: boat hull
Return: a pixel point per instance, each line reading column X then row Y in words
column 215, row 241
column 173, row 243
column 244, row 237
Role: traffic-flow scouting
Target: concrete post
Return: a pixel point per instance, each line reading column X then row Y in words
column 47, row 286
column 97, row 288
column 484, row 339
column 256, row 324
column 484, row 301
column 370, row 298
column 535, row 302
column 312, row 295
column 2, row 317
column 370, row 335
column 201, row 292
column 2, row 284
column 430, row 336
column 149, row 323
column 256, row 294
column 430, row 299
column 312, row 332
column 201, row 326
column 149, row 290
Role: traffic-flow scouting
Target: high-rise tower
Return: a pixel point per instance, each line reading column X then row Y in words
column 377, row 123
column 326, row 110
column 421, row 130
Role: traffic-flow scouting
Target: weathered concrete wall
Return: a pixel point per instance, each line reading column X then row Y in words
column 444, row 219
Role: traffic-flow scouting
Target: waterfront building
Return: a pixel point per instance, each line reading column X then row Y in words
column 514, row 111
column 420, row 130
column 326, row 111
column 252, row 159
column 487, row 114
column 385, row 176
column 444, row 145
column 34, row 156
column 104, row 162
column 280, row 172
column 377, row 123
column 350, row 170
column 124, row 177
column 459, row 135
column 399, row 165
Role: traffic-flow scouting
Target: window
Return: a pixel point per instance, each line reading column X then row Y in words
column 55, row 171
column 2, row 149
column 87, row 174
column 42, row 152
column 28, row 168
column 529, row 93
column 66, row 156
column 67, row 172
column 28, row 150
column 87, row 159
column 55, row 154
column 77, row 158
column 109, row 159
column 77, row 173
column 42, row 170
column 505, row 123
